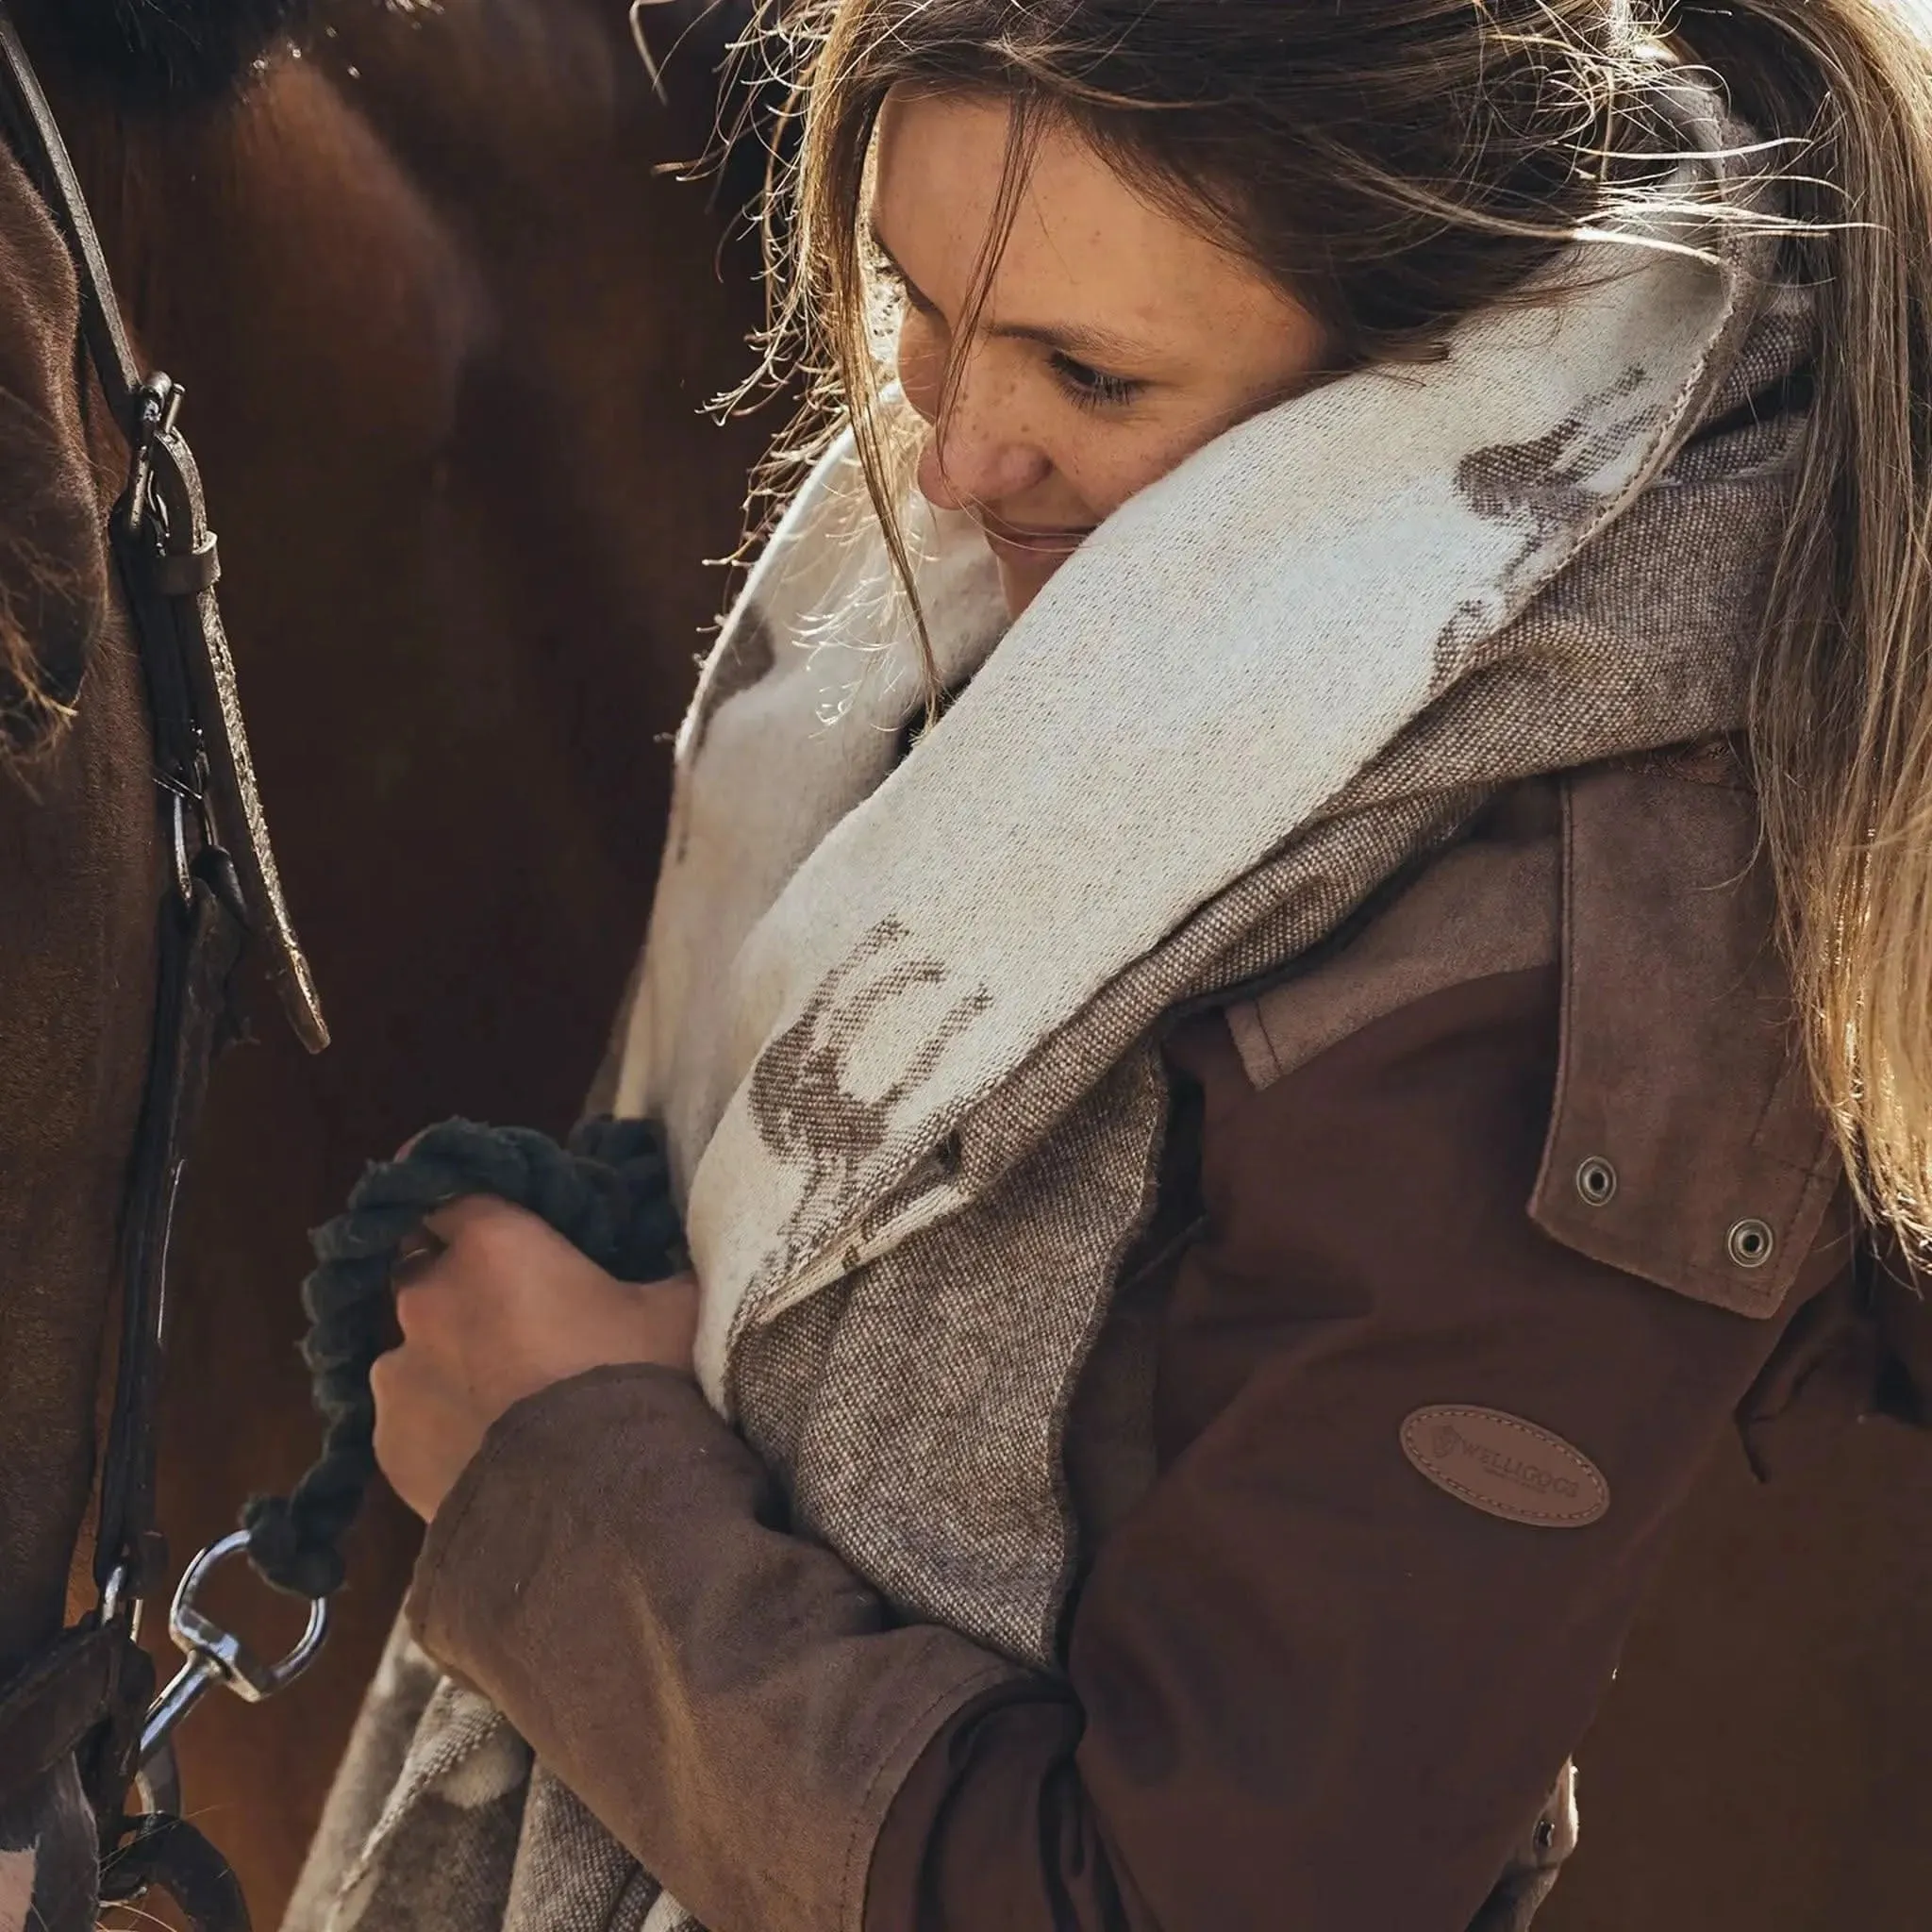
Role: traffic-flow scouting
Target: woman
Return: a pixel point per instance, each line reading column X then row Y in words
column 1293, row 958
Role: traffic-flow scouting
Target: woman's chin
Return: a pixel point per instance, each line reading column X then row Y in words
column 1022, row 579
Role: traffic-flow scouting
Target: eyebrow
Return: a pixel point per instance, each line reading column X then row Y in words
column 1068, row 339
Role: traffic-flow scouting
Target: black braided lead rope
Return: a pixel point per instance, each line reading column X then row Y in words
column 608, row 1192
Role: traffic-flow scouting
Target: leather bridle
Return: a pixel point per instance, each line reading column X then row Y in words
column 89, row 1694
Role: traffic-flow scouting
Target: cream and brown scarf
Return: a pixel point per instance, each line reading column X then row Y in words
column 895, row 1012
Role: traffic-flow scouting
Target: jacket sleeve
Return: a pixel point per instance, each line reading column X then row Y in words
column 1306, row 1687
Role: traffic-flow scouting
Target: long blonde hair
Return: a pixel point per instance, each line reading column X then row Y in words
column 1397, row 164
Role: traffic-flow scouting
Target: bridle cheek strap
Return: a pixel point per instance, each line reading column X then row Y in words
column 87, row 1695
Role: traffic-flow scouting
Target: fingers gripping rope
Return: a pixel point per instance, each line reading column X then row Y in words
column 608, row 1192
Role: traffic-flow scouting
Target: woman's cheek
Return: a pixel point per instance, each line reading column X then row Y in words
column 1119, row 462
column 1105, row 478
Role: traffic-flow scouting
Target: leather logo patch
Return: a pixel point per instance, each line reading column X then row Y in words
column 1504, row 1466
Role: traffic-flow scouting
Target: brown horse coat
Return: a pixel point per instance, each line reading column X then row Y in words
column 81, row 885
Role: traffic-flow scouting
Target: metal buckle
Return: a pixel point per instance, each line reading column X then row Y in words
column 216, row 1656
column 157, row 407
column 187, row 792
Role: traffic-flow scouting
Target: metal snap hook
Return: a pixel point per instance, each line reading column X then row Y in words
column 216, row 1656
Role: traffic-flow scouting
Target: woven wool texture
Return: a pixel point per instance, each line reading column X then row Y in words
column 897, row 1016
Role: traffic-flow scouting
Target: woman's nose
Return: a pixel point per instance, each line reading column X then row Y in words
column 963, row 467
column 978, row 451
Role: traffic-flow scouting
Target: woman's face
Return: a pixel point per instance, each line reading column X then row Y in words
column 1115, row 338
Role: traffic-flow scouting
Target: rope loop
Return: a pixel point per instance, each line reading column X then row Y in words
column 608, row 1192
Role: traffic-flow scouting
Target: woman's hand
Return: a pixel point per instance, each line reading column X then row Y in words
column 507, row 1307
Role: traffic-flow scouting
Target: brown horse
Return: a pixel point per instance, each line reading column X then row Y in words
column 447, row 331
column 83, row 884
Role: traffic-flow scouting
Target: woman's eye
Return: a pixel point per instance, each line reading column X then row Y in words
column 1092, row 389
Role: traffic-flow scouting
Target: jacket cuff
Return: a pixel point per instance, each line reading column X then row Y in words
column 459, row 1536
column 614, row 1572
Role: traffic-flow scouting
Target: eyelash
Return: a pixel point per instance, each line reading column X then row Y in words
column 1092, row 389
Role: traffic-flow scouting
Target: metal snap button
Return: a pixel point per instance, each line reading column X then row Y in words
column 1751, row 1242
column 1596, row 1181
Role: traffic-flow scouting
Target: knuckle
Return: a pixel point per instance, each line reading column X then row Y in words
column 425, row 1308
column 382, row 1379
column 411, row 1301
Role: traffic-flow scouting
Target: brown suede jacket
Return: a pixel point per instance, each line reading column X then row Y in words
column 1474, row 1233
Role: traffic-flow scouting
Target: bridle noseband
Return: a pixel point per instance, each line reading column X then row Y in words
column 89, row 1694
